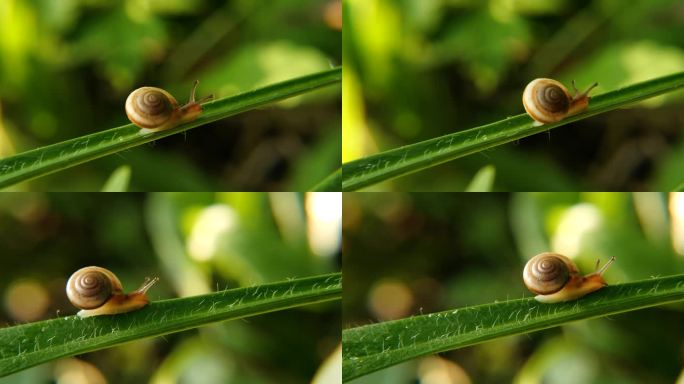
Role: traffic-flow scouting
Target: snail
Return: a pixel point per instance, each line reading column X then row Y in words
column 97, row 291
column 548, row 101
column 555, row 278
column 153, row 109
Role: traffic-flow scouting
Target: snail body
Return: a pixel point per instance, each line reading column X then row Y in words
column 153, row 109
column 548, row 101
column 555, row 278
column 97, row 291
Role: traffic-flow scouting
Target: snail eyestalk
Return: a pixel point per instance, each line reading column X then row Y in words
column 147, row 284
column 603, row 269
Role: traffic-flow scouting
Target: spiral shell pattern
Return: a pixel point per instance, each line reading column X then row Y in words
column 150, row 107
column 547, row 273
column 546, row 100
column 90, row 287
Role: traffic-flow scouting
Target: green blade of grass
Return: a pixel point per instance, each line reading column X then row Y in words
column 24, row 346
column 56, row 157
column 415, row 157
column 330, row 184
column 369, row 348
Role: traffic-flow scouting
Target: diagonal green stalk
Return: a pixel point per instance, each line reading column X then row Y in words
column 425, row 154
column 24, row 346
column 332, row 182
column 56, row 157
column 372, row 347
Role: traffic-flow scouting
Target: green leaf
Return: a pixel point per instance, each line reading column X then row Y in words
column 372, row 347
column 483, row 180
column 56, row 157
column 119, row 180
column 415, row 157
column 24, row 346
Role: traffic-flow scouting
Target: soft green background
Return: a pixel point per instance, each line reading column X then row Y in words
column 195, row 243
column 419, row 69
column 66, row 68
column 449, row 251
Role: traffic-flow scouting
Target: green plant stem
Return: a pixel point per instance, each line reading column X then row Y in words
column 24, row 346
column 415, row 157
column 331, row 183
column 56, row 157
column 372, row 347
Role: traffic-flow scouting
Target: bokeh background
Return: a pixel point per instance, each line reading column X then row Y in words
column 195, row 243
column 66, row 68
column 419, row 69
column 412, row 254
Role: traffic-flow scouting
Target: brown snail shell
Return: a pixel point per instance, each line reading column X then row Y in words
column 150, row 107
column 90, row 287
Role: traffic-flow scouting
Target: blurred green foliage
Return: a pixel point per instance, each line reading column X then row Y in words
column 420, row 253
column 66, row 68
column 421, row 69
column 195, row 243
